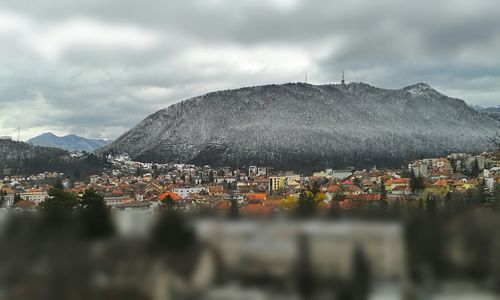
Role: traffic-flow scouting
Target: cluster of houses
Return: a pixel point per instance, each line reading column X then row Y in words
column 259, row 191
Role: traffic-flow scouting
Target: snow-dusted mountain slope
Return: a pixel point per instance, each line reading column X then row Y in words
column 68, row 142
column 299, row 125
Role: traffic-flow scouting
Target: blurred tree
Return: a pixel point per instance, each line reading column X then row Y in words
column 361, row 275
column 305, row 278
column 383, row 191
column 168, row 202
column 234, row 210
column 306, row 206
column 94, row 216
column 430, row 203
column 59, row 204
column 416, row 183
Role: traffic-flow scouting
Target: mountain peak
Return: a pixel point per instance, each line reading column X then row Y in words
column 420, row 88
column 48, row 134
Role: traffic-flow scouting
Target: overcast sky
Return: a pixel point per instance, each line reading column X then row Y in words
column 96, row 68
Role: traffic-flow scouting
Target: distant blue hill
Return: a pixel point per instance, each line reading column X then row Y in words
column 68, row 142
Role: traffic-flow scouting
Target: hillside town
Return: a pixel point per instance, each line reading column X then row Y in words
column 178, row 231
column 260, row 191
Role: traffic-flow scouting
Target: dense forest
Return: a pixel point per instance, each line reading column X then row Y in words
column 22, row 158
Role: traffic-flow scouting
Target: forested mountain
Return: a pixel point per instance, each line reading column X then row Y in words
column 305, row 126
column 24, row 158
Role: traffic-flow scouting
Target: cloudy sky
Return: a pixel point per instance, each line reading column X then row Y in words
column 96, row 68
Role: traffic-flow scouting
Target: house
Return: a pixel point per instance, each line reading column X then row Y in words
column 341, row 174
column 215, row 190
column 256, row 197
column 25, row 206
column 114, row 201
column 401, row 190
column 35, row 195
column 184, row 191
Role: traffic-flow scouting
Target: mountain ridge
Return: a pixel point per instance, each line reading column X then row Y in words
column 70, row 142
column 299, row 124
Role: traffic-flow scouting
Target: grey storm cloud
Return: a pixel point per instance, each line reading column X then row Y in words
column 96, row 68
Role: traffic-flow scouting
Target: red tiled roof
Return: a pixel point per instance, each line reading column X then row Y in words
column 256, row 196
column 174, row 196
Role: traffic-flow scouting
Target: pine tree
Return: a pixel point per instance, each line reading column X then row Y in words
column 58, row 208
column 383, row 192
column 475, row 168
column 168, row 202
column 416, row 183
column 94, row 216
column 17, row 198
column 485, row 196
column 306, row 206
column 234, row 210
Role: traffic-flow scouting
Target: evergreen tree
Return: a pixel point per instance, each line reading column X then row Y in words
column 17, row 198
column 315, row 188
column 172, row 235
column 416, row 183
column 94, row 216
column 475, row 168
column 234, row 210
column 168, row 202
column 335, row 203
column 485, row 196
column 383, row 192
column 306, row 206
column 430, row 203
column 59, row 204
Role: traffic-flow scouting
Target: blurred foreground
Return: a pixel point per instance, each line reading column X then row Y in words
column 424, row 256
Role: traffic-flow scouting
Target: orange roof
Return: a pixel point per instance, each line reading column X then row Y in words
column 401, row 180
column 215, row 189
column 223, row 205
column 401, row 188
column 440, row 182
column 173, row 195
column 8, row 190
column 256, row 196
column 24, row 203
column 333, row 188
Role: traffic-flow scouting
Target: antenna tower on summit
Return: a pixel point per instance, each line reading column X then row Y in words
column 343, row 79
